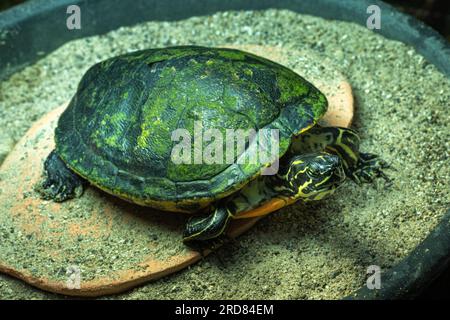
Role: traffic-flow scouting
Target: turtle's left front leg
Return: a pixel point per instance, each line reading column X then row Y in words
column 369, row 167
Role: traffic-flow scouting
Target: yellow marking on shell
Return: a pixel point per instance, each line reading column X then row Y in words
column 306, row 128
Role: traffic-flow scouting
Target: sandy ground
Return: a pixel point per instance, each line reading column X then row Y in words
column 319, row 250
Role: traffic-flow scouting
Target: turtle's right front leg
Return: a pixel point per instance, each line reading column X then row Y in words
column 213, row 225
column 60, row 182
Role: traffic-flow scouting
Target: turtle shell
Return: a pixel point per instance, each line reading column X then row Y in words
column 117, row 131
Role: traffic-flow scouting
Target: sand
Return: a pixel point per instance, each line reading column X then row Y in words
column 314, row 251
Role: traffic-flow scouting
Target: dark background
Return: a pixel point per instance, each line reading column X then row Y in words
column 435, row 13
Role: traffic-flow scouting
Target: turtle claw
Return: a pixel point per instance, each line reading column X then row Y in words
column 206, row 246
column 369, row 167
column 60, row 182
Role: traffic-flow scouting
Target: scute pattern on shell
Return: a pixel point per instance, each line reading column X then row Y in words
column 117, row 129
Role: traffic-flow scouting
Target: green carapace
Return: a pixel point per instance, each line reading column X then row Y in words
column 130, row 112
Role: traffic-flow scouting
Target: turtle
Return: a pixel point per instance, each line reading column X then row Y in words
column 117, row 134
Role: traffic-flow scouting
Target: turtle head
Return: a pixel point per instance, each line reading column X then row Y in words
column 315, row 176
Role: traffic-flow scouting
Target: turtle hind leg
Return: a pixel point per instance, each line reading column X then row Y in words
column 369, row 167
column 60, row 182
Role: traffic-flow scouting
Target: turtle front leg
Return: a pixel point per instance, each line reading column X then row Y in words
column 60, row 182
column 212, row 226
column 207, row 227
column 369, row 167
